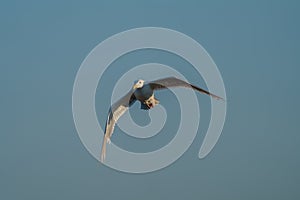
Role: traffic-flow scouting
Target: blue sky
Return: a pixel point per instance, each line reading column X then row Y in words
column 255, row 45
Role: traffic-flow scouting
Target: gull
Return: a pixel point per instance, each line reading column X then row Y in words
column 143, row 92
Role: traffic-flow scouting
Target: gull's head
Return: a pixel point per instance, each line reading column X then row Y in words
column 138, row 84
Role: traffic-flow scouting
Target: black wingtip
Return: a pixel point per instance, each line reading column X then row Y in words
column 206, row 92
column 217, row 97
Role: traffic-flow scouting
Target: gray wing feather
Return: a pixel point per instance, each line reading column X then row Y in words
column 175, row 82
column 115, row 112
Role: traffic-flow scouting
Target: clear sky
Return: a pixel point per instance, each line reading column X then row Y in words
column 255, row 44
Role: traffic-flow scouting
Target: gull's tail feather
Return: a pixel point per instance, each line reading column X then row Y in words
column 156, row 101
column 144, row 106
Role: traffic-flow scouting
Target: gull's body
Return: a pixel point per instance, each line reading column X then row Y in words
column 143, row 92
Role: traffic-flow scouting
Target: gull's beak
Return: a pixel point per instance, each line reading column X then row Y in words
column 134, row 86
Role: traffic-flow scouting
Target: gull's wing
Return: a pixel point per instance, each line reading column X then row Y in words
column 175, row 82
column 115, row 112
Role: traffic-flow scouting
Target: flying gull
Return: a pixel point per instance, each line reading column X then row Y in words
column 143, row 92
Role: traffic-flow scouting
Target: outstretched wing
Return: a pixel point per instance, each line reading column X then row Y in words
column 175, row 82
column 115, row 112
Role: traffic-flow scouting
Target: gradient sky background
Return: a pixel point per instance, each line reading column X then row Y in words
column 256, row 47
